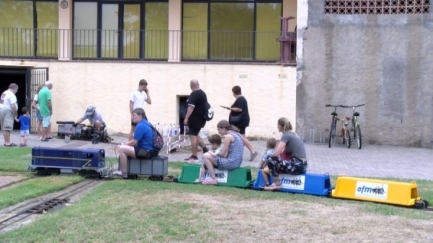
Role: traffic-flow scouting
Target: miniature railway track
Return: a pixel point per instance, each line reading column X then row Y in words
column 15, row 214
column 15, row 182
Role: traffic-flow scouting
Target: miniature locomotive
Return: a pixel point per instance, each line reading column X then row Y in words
column 82, row 132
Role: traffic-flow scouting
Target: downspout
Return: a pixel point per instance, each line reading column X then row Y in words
column 301, row 27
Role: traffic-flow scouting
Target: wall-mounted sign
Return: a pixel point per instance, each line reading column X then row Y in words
column 64, row 4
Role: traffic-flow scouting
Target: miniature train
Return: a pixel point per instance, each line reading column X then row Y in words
column 91, row 162
column 82, row 132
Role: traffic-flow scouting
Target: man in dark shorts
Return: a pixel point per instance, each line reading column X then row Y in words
column 195, row 120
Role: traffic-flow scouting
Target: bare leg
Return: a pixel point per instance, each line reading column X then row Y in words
column 200, row 142
column 26, row 138
column 265, row 177
column 193, row 144
column 209, row 161
column 125, row 151
column 39, row 128
column 49, row 131
column 247, row 143
column 7, row 136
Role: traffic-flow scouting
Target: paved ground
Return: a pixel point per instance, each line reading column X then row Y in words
column 370, row 161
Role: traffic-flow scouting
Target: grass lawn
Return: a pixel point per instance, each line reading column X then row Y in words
column 145, row 211
column 14, row 159
column 34, row 188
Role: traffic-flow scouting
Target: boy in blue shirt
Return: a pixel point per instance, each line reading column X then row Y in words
column 24, row 121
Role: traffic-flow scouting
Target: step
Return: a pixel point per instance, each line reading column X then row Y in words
column 313, row 184
column 155, row 166
column 240, row 177
column 382, row 191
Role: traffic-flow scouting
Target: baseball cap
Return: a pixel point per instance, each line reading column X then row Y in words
column 49, row 82
column 90, row 110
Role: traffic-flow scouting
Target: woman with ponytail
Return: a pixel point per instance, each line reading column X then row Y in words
column 289, row 156
column 229, row 158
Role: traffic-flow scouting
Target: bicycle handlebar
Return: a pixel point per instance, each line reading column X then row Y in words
column 328, row 105
column 352, row 106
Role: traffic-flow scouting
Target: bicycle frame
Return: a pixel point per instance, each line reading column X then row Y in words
column 345, row 133
column 355, row 124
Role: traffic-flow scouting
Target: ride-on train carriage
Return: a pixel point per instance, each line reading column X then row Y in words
column 85, row 161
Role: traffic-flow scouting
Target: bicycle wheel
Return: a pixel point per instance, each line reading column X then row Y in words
column 332, row 132
column 347, row 138
column 358, row 136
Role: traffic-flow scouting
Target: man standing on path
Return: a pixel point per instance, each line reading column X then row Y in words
column 195, row 120
column 8, row 113
column 137, row 99
column 46, row 110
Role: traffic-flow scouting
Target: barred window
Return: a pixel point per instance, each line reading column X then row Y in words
column 377, row 6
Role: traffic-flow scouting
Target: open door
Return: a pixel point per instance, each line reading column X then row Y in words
column 35, row 77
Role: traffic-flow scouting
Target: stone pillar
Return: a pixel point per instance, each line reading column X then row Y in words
column 175, row 30
column 65, row 29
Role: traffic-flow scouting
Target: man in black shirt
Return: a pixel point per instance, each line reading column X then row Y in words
column 195, row 120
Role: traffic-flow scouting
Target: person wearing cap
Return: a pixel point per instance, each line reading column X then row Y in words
column 94, row 117
column 46, row 110
column 8, row 113
column 229, row 158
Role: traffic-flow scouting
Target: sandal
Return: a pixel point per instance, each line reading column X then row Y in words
column 10, row 145
column 272, row 187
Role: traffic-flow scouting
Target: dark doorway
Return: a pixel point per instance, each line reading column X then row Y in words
column 183, row 106
column 18, row 76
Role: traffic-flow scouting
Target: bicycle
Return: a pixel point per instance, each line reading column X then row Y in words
column 345, row 133
column 355, row 124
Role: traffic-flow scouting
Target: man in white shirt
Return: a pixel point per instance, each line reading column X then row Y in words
column 8, row 113
column 136, row 100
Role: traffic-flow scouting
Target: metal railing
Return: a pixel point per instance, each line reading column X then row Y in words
column 200, row 46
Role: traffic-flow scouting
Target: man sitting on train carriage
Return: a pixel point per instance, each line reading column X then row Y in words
column 141, row 145
column 94, row 117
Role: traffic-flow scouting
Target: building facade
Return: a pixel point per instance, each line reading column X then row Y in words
column 374, row 52
column 95, row 52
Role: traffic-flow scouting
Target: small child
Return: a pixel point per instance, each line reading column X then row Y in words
column 271, row 143
column 24, row 121
column 215, row 143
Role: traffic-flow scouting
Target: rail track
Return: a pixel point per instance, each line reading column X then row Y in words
column 14, row 215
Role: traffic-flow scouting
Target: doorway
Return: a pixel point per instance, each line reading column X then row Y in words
column 183, row 106
column 27, row 79
column 18, row 76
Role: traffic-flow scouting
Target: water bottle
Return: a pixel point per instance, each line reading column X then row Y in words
column 165, row 130
column 67, row 138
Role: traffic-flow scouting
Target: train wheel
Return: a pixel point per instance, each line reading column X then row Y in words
column 421, row 204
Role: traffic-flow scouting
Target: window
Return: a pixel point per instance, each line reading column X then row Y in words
column 231, row 30
column 128, row 29
column 23, row 35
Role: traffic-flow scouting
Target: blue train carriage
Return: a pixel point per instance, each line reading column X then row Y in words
column 85, row 161
column 308, row 183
